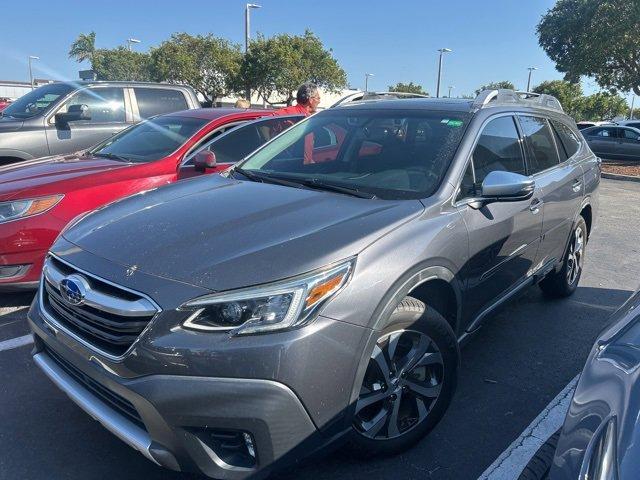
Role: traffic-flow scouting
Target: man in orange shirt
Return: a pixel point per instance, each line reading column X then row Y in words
column 307, row 101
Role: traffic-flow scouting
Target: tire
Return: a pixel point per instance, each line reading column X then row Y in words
column 564, row 282
column 418, row 384
column 540, row 464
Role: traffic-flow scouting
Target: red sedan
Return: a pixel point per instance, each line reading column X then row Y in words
column 39, row 198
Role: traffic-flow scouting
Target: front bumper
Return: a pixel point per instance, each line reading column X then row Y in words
column 174, row 411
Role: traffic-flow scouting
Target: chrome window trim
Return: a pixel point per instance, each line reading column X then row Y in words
column 53, row 323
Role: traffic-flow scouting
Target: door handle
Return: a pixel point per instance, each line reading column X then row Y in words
column 535, row 206
column 577, row 185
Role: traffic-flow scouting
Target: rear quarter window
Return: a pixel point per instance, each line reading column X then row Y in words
column 156, row 101
column 567, row 136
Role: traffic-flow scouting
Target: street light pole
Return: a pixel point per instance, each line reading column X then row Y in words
column 633, row 101
column 366, row 81
column 451, row 87
column 130, row 41
column 442, row 52
column 247, row 36
column 31, row 57
column 531, row 69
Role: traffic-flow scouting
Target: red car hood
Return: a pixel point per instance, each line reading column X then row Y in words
column 18, row 178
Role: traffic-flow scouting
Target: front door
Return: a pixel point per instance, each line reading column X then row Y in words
column 503, row 236
column 108, row 117
column 629, row 142
column 603, row 140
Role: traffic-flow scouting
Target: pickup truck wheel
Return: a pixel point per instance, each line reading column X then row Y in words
column 409, row 382
column 565, row 281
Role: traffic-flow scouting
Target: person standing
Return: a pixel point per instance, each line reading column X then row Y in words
column 307, row 101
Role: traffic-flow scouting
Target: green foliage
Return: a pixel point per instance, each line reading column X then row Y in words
column 597, row 38
column 569, row 94
column 209, row 64
column 121, row 64
column 497, row 86
column 408, row 88
column 277, row 66
column 84, row 47
column 601, row 106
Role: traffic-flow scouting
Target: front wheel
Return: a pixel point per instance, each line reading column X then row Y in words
column 565, row 281
column 409, row 381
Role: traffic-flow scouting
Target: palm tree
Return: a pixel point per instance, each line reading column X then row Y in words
column 84, row 47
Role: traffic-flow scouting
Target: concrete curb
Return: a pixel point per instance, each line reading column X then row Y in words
column 616, row 176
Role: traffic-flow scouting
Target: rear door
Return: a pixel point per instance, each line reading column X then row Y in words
column 629, row 142
column 150, row 101
column 602, row 140
column 503, row 236
column 559, row 183
column 108, row 116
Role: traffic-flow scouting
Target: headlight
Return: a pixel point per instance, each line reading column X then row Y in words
column 16, row 209
column 276, row 306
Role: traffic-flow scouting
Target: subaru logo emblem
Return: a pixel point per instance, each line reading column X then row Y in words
column 73, row 289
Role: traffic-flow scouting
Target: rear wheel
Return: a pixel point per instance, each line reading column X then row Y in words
column 409, row 381
column 564, row 282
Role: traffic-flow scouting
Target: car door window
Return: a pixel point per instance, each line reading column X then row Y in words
column 498, row 149
column 603, row 132
column 568, row 138
column 628, row 134
column 106, row 105
column 156, row 101
column 562, row 152
column 240, row 141
column 542, row 149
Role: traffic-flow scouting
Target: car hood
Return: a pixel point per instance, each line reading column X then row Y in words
column 8, row 124
column 17, row 179
column 221, row 233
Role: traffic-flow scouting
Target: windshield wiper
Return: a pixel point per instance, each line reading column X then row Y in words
column 268, row 178
column 320, row 185
column 112, row 156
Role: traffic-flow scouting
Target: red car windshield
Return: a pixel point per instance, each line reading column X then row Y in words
column 150, row 140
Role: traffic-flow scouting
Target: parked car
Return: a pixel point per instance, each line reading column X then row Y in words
column 39, row 197
column 4, row 103
column 599, row 438
column 629, row 123
column 612, row 141
column 60, row 118
column 586, row 124
column 360, row 96
column 232, row 324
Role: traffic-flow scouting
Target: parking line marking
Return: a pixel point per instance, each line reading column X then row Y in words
column 16, row 342
column 511, row 462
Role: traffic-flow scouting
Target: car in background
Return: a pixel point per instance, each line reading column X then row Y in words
column 363, row 96
column 629, row 123
column 65, row 117
column 587, row 124
column 600, row 437
column 4, row 102
column 614, row 141
column 315, row 291
column 38, row 198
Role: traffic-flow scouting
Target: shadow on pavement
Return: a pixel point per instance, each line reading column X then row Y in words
column 16, row 299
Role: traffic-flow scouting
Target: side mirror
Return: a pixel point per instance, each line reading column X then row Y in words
column 502, row 186
column 204, row 159
column 73, row 113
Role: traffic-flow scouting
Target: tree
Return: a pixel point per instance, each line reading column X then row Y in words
column 497, row 86
column 569, row 94
column 209, row 64
column 601, row 106
column 277, row 66
column 121, row 64
column 407, row 88
column 595, row 38
column 84, row 47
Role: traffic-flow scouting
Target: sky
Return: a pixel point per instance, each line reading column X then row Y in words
column 397, row 41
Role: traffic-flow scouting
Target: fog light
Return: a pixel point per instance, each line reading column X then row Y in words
column 9, row 271
column 233, row 448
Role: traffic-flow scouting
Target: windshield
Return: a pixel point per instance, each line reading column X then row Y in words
column 150, row 140
column 37, row 101
column 389, row 154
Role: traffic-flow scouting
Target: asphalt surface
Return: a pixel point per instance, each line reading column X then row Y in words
column 511, row 369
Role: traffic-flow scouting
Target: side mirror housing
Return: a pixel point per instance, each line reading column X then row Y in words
column 204, row 159
column 499, row 186
column 74, row 112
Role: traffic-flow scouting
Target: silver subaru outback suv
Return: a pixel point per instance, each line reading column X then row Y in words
column 321, row 288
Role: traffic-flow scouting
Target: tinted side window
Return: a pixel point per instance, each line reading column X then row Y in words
column 629, row 134
column 606, row 132
column 567, row 137
column 562, row 152
column 467, row 186
column 498, row 149
column 543, row 153
column 155, row 101
column 106, row 105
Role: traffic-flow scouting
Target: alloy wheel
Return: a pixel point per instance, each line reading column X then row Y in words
column 401, row 385
column 575, row 255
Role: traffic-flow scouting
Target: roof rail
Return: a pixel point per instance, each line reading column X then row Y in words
column 504, row 96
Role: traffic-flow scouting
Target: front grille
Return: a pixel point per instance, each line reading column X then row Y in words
column 122, row 405
column 94, row 321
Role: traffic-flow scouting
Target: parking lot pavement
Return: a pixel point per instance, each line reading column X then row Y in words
column 511, row 369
